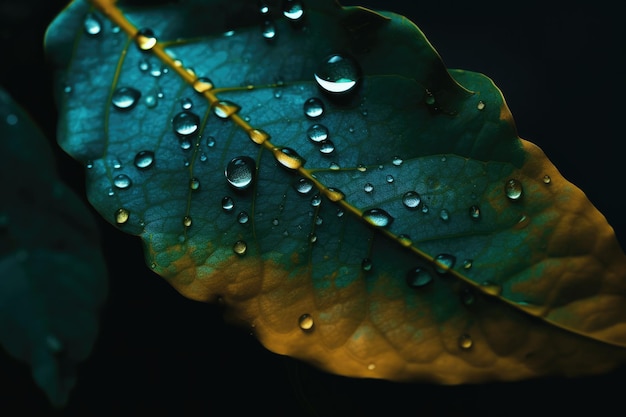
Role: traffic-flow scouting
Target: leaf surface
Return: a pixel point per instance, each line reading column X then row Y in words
column 52, row 273
column 319, row 171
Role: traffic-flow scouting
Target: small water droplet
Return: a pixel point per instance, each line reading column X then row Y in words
column 411, row 200
column 316, row 200
column 397, row 161
column 303, row 186
column 258, row 136
column 378, row 217
column 444, row 215
column 125, row 98
column 368, row 187
column 474, row 212
column 121, row 216
column 418, row 277
column 405, row 240
column 228, row 203
column 293, row 9
column 268, row 29
column 202, row 84
column 334, row 166
column 224, row 109
column 186, row 103
column 122, row 181
column 312, row 237
column 240, row 247
column 185, row 123
column 480, row 105
column 263, row 7
column 444, row 262
column 243, row 217
column 240, row 172
column 467, row 264
column 491, row 288
column 187, row 221
column 338, row 74
column 366, row 264
column 547, row 179
column 371, row 366
column 144, row 159
column 275, row 222
column 334, row 194
column 145, row 39
column 210, row 141
column 327, row 147
column 194, row 183
column 465, row 342
column 288, row 158
column 313, row 107
column 317, row 133
column 425, row 208
column 513, row 189
column 305, row 322
column 92, row 24
column 389, row 178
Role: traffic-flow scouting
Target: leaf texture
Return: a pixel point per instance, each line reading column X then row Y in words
column 317, row 170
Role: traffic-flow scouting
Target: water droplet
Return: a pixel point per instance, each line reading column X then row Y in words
column 187, row 221
column 366, row 264
column 240, row 247
column 305, row 322
column 240, row 172
column 547, row 179
column 467, row 264
column 444, row 262
column 194, row 183
column 368, row 187
column 316, row 200
column 491, row 288
column 228, row 203
column 268, row 29
column 327, row 147
column 303, row 186
column 258, row 136
column 263, row 7
column 312, row 237
column 334, row 194
column 397, row 161
column 122, row 181
column 317, row 133
column 293, row 9
column 418, row 277
column 145, row 39
column 338, row 74
column 144, row 159
column 115, row 163
column 186, row 103
column 371, row 366
column 361, row 168
column 314, row 108
column 185, row 123
column 465, row 342
column 224, row 109
column 513, row 189
column 378, row 217
column 389, row 178
column 334, row 166
column 444, row 215
column 405, row 240
column 210, row 141
column 125, row 98
column 202, row 84
column 288, row 158
column 275, row 222
column 243, row 217
column 92, row 24
column 474, row 212
column 121, row 216
column 110, row 192
column 480, row 105
column 411, row 200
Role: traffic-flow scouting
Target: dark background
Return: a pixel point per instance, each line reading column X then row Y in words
column 561, row 70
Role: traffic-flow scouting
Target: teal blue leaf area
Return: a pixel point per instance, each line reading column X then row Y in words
column 53, row 277
column 319, row 172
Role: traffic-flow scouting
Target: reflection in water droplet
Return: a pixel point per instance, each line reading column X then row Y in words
column 194, row 183
column 240, row 172
column 224, row 109
column 288, row 158
column 92, row 24
column 547, row 179
column 327, row 147
column 125, row 98
column 474, row 212
column 121, row 215
column 305, row 322
column 338, row 74
column 465, row 342
column 145, row 39
column 378, row 217
column 144, row 159
column 303, row 186
column 187, row 221
column 243, row 217
column 513, row 189
column 122, row 181
column 185, row 123
column 316, row 200
column 228, row 203
column 317, row 133
column 268, row 29
column 293, row 9
column 240, row 247
column 411, row 199
column 418, row 277
column 334, row 194
column 186, row 103
column 444, row 262
column 389, row 178
column 258, row 136
column 313, row 108
column 202, row 84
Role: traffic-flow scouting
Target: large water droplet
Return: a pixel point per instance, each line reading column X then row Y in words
column 92, row 24
column 122, row 181
column 418, row 277
column 338, row 74
column 317, row 133
column 411, row 200
column 314, row 108
column 288, row 158
column 145, row 39
column 293, row 9
column 444, row 262
column 144, row 159
column 378, row 217
column 513, row 189
column 185, row 123
column 240, row 172
column 121, row 216
column 125, row 98
column 305, row 322
column 240, row 247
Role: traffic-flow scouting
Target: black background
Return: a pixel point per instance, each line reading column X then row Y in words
column 561, row 70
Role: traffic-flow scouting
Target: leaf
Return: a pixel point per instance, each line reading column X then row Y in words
column 52, row 273
column 383, row 221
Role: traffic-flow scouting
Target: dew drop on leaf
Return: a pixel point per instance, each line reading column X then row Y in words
column 240, row 172
column 480, row 105
column 293, row 9
column 263, row 7
column 444, row 262
column 92, row 24
column 316, row 200
column 228, row 203
column 288, row 158
column 185, row 123
column 334, row 194
column 368, row 187
column 224, row 109
column 243, row 217
column 313, row 108
column 378, row 217
column 240, row 247
column 491, row 288
column 194, row 183
column 268, row 30
column 317, row 133
column 474, row 212
column 121, row 216
column 444, row 215
column 186, row 103
column 303, row 186
column 145, row 39
column 513, row 189
column 144, row 159
column 397, row 161
column 418, row 277
column 366, row 264
column 465, row 342
column 258, row 136
column 305, row 322
column 338, row 74
column 411, row 200
column 187, row 221
column 202, row 84
column 122, row 181
column 389, row 178
column 125, row 98
column 327, row 147
column 547, row 179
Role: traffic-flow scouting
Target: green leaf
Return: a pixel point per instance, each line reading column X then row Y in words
column 52, row 273
column 345, row 196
